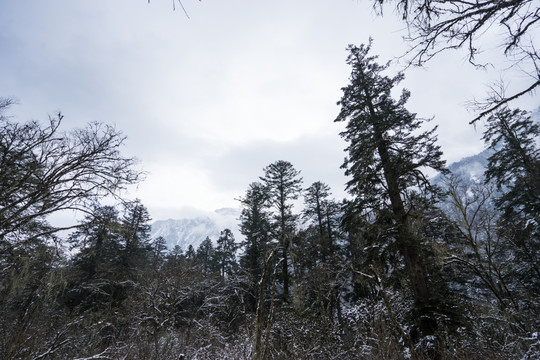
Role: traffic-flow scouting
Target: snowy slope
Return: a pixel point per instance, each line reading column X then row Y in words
column 192, row 231
column 469, row 169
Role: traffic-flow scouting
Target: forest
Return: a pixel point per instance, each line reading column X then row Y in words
column 403, row 268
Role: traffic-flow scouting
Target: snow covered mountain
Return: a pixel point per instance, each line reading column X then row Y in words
column 192, row 231
column 472, row 167
column 469, row 169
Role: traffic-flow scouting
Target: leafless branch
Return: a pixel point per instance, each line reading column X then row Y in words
column 436, row 26
column 44, row 171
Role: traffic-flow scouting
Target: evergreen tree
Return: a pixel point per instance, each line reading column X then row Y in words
column 136, row 233
column 176, row 251
column 317, row 256
column 256, row 228
column 515, row 164
column 226, row 253
column 283, row 183
column 112, row 253
column 206, row 256
column 386, row 158
column 97, row 269
column 322, row 212
column 159, row 251
column 190, row 253
column 514, row 167
column 98, row 241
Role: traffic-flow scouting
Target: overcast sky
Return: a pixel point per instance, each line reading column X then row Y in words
column 208, row 101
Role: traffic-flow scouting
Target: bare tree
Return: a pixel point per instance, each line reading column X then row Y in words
column 479, row 247
column 44, row 170
column 439, row 25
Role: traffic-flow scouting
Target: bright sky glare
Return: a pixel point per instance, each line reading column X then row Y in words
column 208, row 102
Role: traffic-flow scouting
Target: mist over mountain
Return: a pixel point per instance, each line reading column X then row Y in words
column 469, row 169
column 193, row 230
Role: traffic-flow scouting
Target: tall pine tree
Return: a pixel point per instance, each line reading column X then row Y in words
column 256, row 228
column 283, row 183
column 515, row 163
column 136, row 234
column 514, row 167
column 226, row 253
column 386, row 157
column 321, row 211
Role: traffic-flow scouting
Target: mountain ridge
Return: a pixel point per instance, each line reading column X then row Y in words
column 193, row 230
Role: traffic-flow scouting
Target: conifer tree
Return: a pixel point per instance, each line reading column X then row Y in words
column 386, row 156
column 98, row 240
column 283, row 183
column 98, row 270
column 256, row 228
column 206, row 255
column 159, row 250
column 515, row 163
column 112, row 250
column 226, row 253
column 514, row 167
column 190, row 253
column 136, row 233
column 321, row 211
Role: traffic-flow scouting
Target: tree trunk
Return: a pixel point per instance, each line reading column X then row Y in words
column 285, row 271
column 407, row 243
